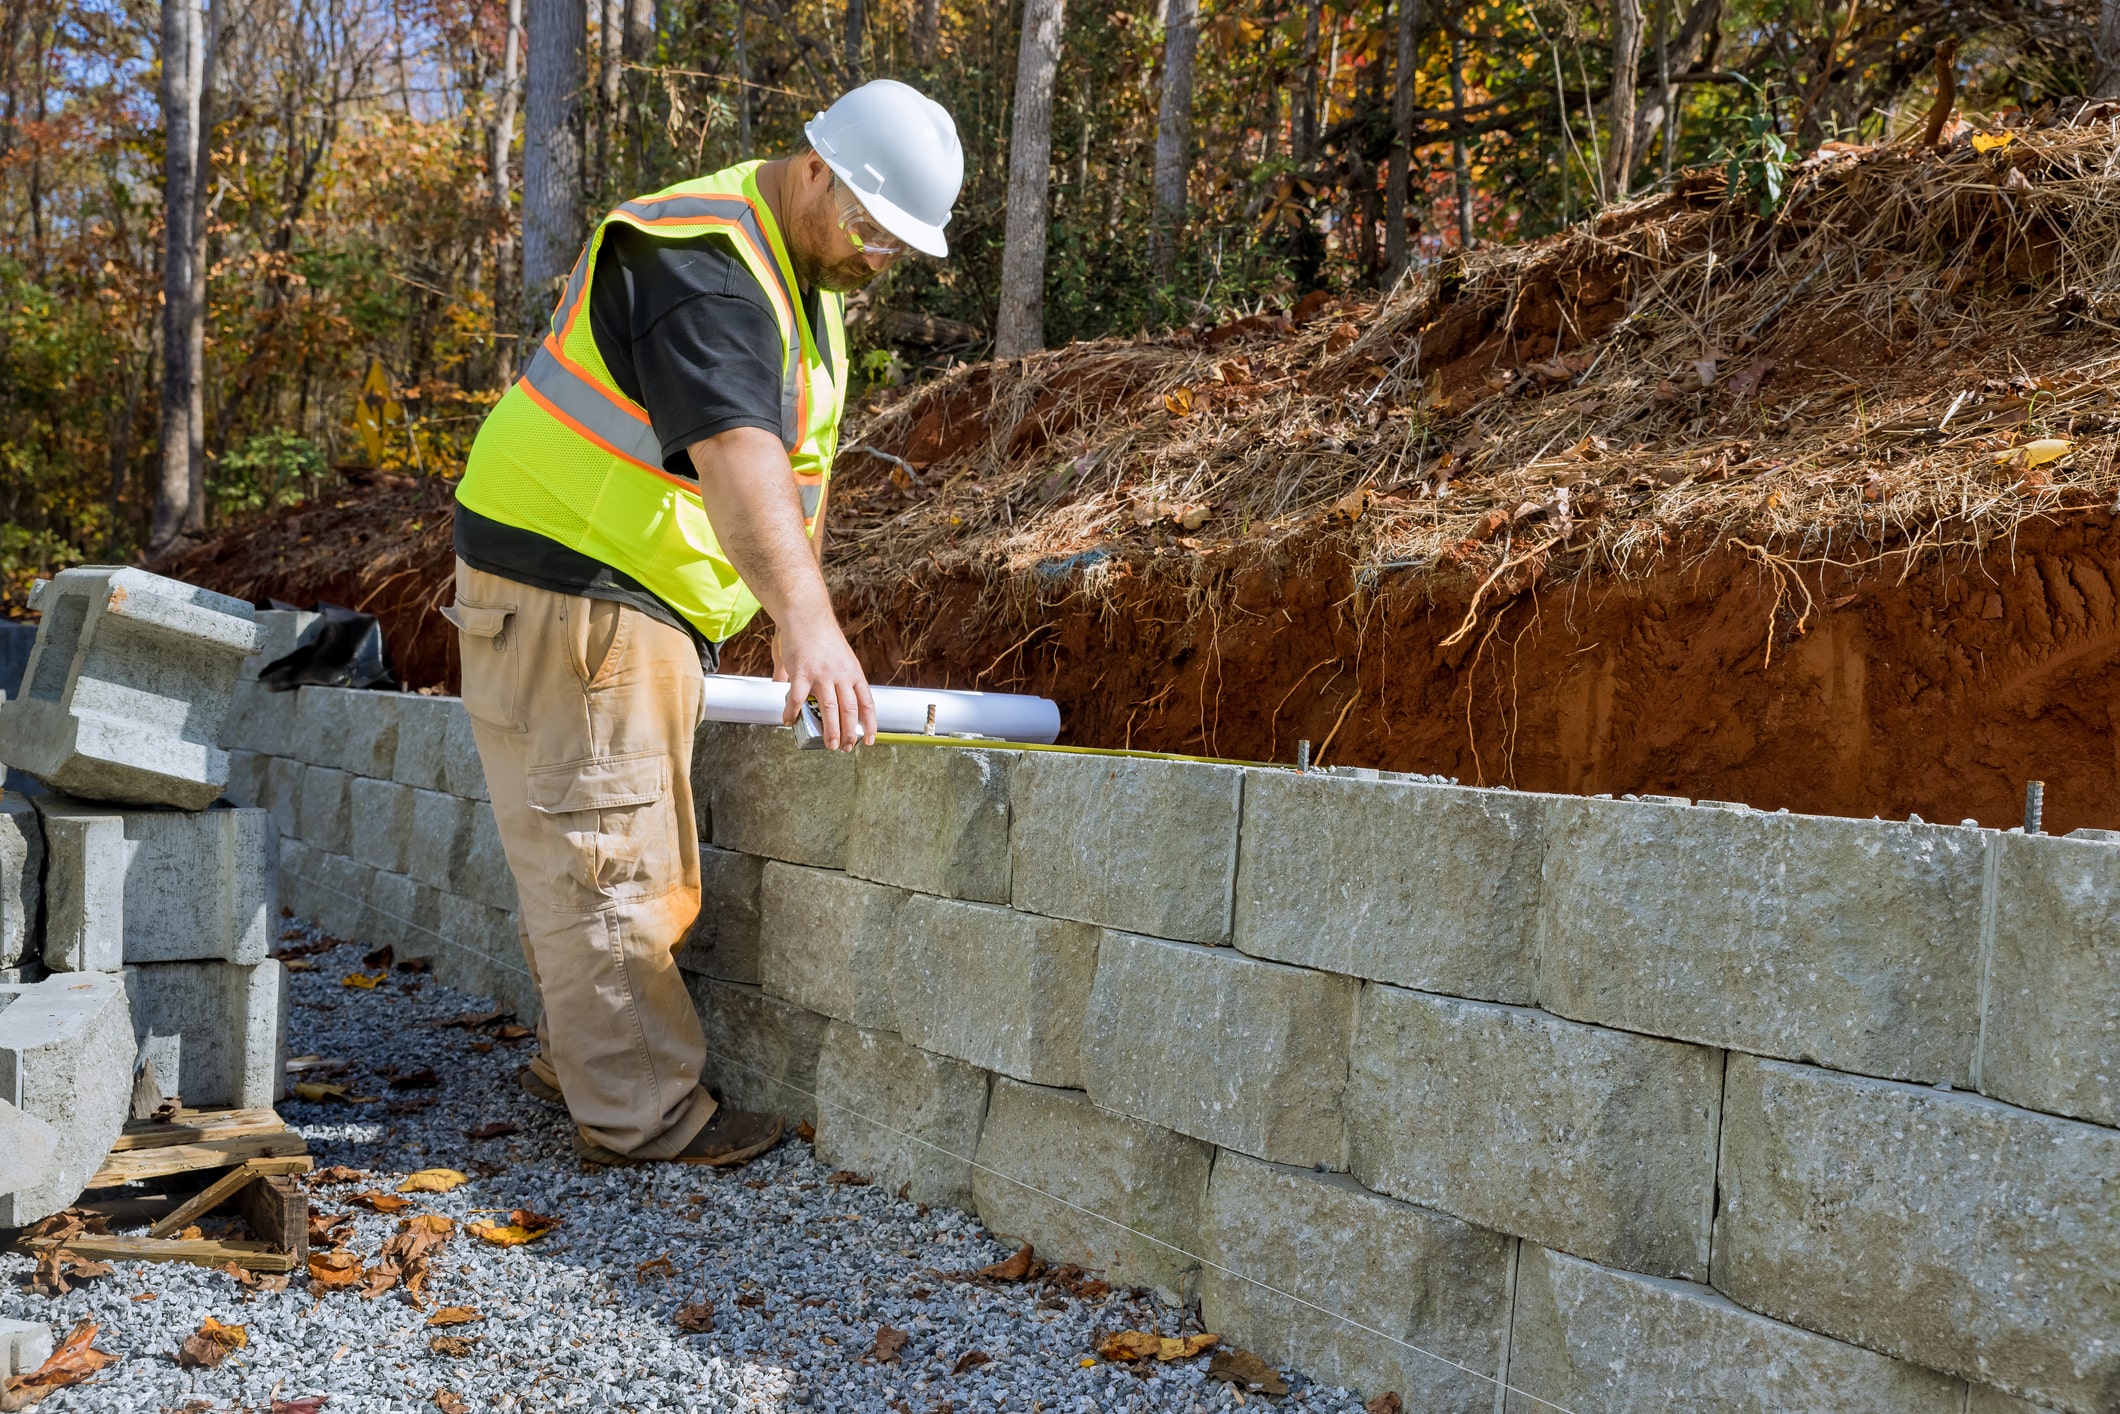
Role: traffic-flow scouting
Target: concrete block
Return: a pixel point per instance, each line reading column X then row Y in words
column 934, row 819
column 130, row 886
column 298, row 869
column 26, row 1147
column 126, row 688
column 1940, row 1227
column 1420, row 1277
column 280, row 632
column 1147, row 846
column 1151, row 1182
column 1597, row 1142
column 24, row 1345
column 484, row 954
column 873, row 1089
column 441, row 822
column 462, row 772
column 1986, row 1399
column 66, row 1057
column 761, row 1051
column 324, row 809
column 724, row 942
column 379, row 823
column 27, row 972
column 1246, row 1054
column 483, row 873
column 1001, row 990
column 423, row 730
column 21, row 879
column 826, row 942
column 1435, row 887
column 283, row 795
column 261, row 720
column 406, row 914
column 748, row 776
column 341, row 889
column 246, row 778
column 1852, row 943
column 2052, row 1035
column 217, row 1031
column 1599, row 1341
column 353, row 730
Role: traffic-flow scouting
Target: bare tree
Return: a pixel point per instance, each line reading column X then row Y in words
column 1460, row 158
column 1304, row 140
column 610, row 67
column 552, row 150
column 1019, row 324
column 927, row 31
column 500, row 188
column 189, row 34
column 639, row 48
column 1411, row 18
column 1626, row 60
column 2105, row 46
column 1181, row 44
column 857, row 21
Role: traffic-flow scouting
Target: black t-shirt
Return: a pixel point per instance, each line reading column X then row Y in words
column 687, row 333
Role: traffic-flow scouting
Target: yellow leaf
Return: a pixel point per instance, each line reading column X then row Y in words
column 504, row 1234
column 1086, row 1362
column 234, row 1337
column 1179, row 401
column 317, row 1092
column 2046, row 449
column 363, row 980
column 433, row 1181
column 334, row 1269
column 1184, row 1347
column 454, row 1316
column 430, row 1222
column 1992, row 142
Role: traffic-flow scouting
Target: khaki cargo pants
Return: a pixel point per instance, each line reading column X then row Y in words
column 584, row 711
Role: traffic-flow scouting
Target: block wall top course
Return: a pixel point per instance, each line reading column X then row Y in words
column 280, row 632
column 351, row 729
column 750, row 775
column 422, row 738
column 932, row 819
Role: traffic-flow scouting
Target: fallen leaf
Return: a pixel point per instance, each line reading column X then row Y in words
column 1190, row 514
column 889, row 1341
column 430, row 1222
column 847, row 1178
column 416, row 964
column 307, row 1404
column 1992, row 142
column 472, row 1020
column 1179, row 401
column 971, row 1360
column 381, row 957
column 1246, row 1371
column 1386, row 1403
column 297, row 964
column 452, row 1345
column 58, row 1269
column 433, row 1181
column 806, row 1132
column 454, row 1316
column 449, row 1403
column 2047, row 449
column 333, row 1270
column 423, row 1078
column 522, row 1226
column 1012, row 1268
column 329, row 1229
column 363, row 981
column 494, row 1130
column 658, row 1267
column 1183, row 1347
column 75, row 1360
column 337, row 1173
column 156, row 1295
column 375, row 1202
column 514, row 1033
column 210, row 1344
column 191, row 1234
column 696, row 1318
column 1130, row 1345
column 320, row 1092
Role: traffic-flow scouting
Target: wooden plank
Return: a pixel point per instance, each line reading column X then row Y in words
column 204, row 1201
column 201, row 1252
column 277, row 1210
column 130, row 1167
column 195, row 1126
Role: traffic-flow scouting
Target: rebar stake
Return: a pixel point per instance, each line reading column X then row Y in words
column 929, row 729
column 1303, row 758
column 2034, row 803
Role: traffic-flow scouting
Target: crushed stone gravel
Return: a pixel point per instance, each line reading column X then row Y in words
column 801, row 1272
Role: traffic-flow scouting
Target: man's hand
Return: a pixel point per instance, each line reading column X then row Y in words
column 749, row 492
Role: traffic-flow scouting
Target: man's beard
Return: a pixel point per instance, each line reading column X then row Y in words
column 842, row 278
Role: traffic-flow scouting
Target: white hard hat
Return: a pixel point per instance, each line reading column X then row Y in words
column 898, row 150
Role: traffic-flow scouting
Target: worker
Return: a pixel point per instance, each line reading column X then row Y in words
column 658, row 474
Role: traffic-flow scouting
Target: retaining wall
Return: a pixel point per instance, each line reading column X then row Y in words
column 1628, row 1104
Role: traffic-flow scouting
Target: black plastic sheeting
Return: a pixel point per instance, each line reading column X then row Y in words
column 346, row 650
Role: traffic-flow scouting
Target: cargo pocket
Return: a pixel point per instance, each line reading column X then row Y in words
column 492, row 662
column 614, row 815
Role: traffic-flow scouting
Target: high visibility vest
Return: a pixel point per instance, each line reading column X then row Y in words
column 567, row 455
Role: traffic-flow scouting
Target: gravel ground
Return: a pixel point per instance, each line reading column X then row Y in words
column 801, row 1272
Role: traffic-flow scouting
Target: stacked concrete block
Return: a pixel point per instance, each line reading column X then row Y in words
column 352, row 730
column 262, row 720
column 406, row 914
column 423, row 725
column 26, row 1147
column 379, row 823
column 1608, row 1138
column 1852, row 943
column 1393, row 1281
column 21, row 879
column 462, row 772
column 216, row 1031
column 899, row 1114
column 324, row 809
column 486, row 953
column 1141, row 845
column 1254, row 1057
column 746, row 777
column 66, row 1058
column 441, row 822
column 1091, row 1187
column 934, row 819
column 724, row 942
column 127, row 886
column 280, row 632
column 826, row 943
column 1441, row 892
column 1940, row 1227
column 24, row 1345
column 483, row 873
column 283, row 796
column 340, row 893
column 1002, row 990
column 2051, row 1040
column 761, row 1051
column 1599, row 1341
column 126, row 688
column 247, row 774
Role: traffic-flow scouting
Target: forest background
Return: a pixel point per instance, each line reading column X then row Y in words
column 346, row 216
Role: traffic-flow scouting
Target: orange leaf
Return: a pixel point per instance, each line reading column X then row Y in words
column 1179, row 401
column 334, row 1269
column 454, row 1316
column 74, row 1361
column 380, row 1202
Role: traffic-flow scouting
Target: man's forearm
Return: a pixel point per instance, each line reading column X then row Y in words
column 751, row 500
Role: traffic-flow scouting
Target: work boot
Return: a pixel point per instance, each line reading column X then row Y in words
column 537, row 1089
column 732, row 1137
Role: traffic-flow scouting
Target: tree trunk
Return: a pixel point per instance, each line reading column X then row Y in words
column 1626, row 61
column 2105, row 46
column 1402, row 95
column 1304, row 140
column 610, row 68
column 1019, row 323
column 1460, row 159
column 857, row 21
column 1181, row 43
column 184, row 40
column 743, row 78
column 927, row 31
column 552, row 152
column 640, row 48
column 499, row 189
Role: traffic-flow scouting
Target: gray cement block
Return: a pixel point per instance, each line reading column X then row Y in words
column 341, row 889
column 1435, row 887
column 126, row 688
column 355, row 731
column 423, row 729
column 1599, row 1341
column 1146, row 846
column 748, row 775
column 324, row 809
column 246, row 778
column 1597, row 1142
column 280, row 632
column 1940, row 1227
column 2052, row 1035
column 724, row 942
column 761, row 1051
column 1420, row 1277
column 874, row 1090
column 934, row 819
column 1852, row 943
column 441, row 822
column 462, row 772
column 217, row 1030
column 1150, row 1182
column 21, row 879
column 484, row 954
column 24, row 1345
column 1002, row 990
column 379, row 823
column 26, row 1147
column 483, row 873
column 66, row 1056
column 128, row 886
column 826, row 943
column 406, row 914
column 298, row 868
column 262, row 720
column 283, row 795
column 1246, row 1054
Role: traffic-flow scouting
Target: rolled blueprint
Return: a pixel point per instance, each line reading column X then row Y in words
column 1006, row 715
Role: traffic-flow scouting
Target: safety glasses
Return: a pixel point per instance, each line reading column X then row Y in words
column 861, row 228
